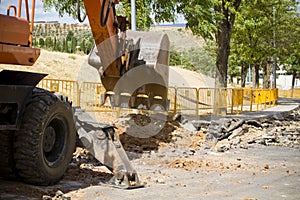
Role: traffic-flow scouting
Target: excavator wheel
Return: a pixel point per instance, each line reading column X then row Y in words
column 46, row 140
column 6, row 152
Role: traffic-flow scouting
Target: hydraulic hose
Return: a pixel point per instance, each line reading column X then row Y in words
column 78, row 13
column 103, row 21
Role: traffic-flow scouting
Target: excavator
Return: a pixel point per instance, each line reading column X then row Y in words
column 39, row 129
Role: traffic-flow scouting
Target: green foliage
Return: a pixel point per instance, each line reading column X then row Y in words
column 62, row 6
column 265, row 30
column 65, row 40
column 73, row 44
column 143, row 12
column 41, row 42
column 70, row 35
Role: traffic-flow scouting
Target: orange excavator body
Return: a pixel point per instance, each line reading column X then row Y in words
column 16, row 37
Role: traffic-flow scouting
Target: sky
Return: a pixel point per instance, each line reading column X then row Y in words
column 40, row 14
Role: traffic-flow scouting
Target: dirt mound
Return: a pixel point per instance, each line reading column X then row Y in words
column 138, row 134
column 55, row 64
column 141, row 144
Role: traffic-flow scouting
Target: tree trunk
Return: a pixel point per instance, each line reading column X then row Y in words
column 243, row 76
column 223, row 36
column 266, row 75
column 223, row 49
column 255, row 76
column 293, row 82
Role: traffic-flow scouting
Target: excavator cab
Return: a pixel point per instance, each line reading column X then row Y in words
column 16, row 36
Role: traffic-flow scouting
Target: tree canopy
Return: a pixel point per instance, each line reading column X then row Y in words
column 265, row 31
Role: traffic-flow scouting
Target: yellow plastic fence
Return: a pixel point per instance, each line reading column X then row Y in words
column 92, row 96
column 237, row 100
column 172, row 96
column 187, row 101
column 206, row 97
column 292, row 93
column 65, row 87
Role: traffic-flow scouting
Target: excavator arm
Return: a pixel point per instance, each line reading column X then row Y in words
column 104, row 26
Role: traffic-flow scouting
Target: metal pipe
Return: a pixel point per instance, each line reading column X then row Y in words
column 27, row 10
column 32, row 21
column 133, row 15
column 19, row 8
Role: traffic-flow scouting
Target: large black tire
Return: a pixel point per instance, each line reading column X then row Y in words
column 46, row 140
column 7, row 165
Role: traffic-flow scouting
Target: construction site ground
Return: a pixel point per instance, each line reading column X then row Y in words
column 261, row 163
column 257, row 156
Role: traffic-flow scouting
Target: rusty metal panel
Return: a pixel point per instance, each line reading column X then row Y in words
column 14, row 30
column 11, row 54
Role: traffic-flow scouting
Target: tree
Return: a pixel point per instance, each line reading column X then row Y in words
column 49, row 43
column 70, row 35
column 73, row 44
column 211, row 19
column 262, row 33
column 83, row 46
column 290, row 46
column 252, row 36
column 65, row 45
column 41, row 42
column 143, row 13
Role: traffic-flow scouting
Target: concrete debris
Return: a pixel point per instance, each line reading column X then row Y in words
column 224, row 128
column 184, row 123
column 277, row 130
column 237, row 132
column 59, row 195
column 223, row 148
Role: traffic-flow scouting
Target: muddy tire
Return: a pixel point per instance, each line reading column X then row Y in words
column 7, row 165
column 46, row 140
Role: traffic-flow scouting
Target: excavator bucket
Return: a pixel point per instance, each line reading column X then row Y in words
column 147, row 79
column 104, row 144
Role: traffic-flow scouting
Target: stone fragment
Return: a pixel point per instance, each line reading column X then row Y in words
column 160, row 181
column 237, row 132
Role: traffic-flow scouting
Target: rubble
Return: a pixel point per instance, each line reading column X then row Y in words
column 277, row 130
column 59, row 195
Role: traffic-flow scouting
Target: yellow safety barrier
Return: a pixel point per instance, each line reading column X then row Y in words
column 94, row 98
column 292, row 93
column 189, row 101
column 206, row 97
column 65, row 87
column 237, row 100
column 172, row 96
